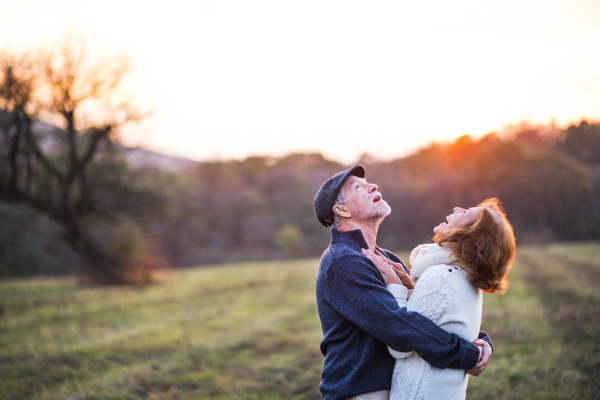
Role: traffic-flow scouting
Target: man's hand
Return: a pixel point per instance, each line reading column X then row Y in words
column 485, row 352
column 399, row 270
column 389, row 275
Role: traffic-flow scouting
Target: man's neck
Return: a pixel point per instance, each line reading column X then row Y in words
column 368, row 228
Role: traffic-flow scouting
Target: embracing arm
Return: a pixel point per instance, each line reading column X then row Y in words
column 357, row 292
column 431, row 299
column 402, row 295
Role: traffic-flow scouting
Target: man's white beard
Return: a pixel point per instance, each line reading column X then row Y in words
column 382, row 211
column 374, row 213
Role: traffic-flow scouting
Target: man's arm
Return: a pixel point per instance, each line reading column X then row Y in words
column 357, row 291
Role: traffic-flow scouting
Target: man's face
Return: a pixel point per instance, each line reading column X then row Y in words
column 364, row 201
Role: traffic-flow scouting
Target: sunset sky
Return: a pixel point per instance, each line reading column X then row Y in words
column 232, row 78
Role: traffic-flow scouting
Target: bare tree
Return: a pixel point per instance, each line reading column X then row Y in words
column 50, row 170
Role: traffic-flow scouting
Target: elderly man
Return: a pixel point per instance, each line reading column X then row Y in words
column 360, row 317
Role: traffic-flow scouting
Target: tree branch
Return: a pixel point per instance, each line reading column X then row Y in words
column 35, row 148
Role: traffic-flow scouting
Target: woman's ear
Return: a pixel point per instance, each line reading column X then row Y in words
column 342, row 211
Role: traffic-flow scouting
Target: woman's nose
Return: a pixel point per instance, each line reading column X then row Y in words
column 458, row 210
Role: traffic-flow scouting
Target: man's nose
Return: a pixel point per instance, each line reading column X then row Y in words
column 373, row 187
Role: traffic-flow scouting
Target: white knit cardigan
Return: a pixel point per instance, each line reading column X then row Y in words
column 444, row 295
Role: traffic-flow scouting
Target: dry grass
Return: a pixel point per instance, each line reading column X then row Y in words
column 546, row 328
column 251, row 331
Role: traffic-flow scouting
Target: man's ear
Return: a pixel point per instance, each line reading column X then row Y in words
column 342, row 211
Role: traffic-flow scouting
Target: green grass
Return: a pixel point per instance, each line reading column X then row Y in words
column 546, row 328
column 251, row 331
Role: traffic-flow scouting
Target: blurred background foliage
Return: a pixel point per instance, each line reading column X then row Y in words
column 73, row 200
column 261, row 208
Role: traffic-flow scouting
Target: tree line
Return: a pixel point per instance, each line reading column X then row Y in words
column 71, row 203
column 261, row 207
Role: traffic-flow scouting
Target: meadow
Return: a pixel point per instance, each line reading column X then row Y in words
column 251, row 331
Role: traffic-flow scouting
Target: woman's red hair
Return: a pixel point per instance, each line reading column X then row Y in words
column 484, row 247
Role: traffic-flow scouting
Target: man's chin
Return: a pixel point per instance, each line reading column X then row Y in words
column 382, row 210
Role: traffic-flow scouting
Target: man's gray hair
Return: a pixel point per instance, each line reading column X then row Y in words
column 340, row 199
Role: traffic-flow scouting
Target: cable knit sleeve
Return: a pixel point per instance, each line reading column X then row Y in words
column 431, row 298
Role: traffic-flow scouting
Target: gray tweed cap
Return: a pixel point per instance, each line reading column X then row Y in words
column 325, row 197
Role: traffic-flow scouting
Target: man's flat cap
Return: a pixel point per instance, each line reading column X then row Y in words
column 325, row 197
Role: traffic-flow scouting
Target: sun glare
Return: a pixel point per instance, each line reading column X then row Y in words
column 233, row 78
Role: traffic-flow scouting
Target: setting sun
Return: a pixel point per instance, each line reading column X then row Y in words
column 234, row 78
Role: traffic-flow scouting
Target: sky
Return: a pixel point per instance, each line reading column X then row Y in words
column 228, row 79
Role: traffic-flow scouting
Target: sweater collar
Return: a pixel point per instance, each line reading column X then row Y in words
column 428, row 255
column 354, row 239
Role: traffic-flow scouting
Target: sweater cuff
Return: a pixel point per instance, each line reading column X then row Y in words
column 471, row 357
column 400, row 292
column 410, row 292
column 482, row 336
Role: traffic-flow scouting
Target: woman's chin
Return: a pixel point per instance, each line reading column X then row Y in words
column 439, row 228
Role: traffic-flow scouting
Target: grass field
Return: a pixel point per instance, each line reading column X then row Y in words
column 251, row 331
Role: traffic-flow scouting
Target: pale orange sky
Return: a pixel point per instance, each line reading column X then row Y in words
column 233, row 78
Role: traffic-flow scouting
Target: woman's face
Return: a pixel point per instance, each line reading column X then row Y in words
column 460, row 216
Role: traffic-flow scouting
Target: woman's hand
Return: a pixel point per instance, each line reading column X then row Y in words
column 400, row 271
column 485, row 352
column 389, row 275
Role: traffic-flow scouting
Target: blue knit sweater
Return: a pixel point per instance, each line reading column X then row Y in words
column 360, row 318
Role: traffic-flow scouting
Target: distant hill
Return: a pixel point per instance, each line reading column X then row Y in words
column 137, row 157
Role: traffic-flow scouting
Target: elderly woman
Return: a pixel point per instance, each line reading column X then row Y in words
column 473, row 253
